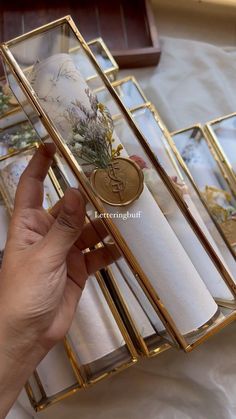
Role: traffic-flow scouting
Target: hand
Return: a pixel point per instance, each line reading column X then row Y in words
column 44, row 270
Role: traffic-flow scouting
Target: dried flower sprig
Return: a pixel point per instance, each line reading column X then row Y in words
column 219, row 202
column 4, row 102
column 92, row 132
column 25, row 135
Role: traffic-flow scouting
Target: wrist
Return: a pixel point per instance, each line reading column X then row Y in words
column 19, row 344
column 13, row 376
column 17, row 362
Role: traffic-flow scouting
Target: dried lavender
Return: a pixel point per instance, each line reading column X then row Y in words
column 92, row 132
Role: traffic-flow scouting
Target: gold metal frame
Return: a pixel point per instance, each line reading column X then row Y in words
column 188, row 174
column 117, row 317
column 134, row 334
column 220, row 155
column 124, row 80
column 46, row 401
column 120, row 82
column 138, row 339
column 148, row 105
column 110, row 72
column 169, row 139
column 123, row 330
column 141, row 277
column 83, row 383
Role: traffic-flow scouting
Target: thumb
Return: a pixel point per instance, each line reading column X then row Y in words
column 68, row 225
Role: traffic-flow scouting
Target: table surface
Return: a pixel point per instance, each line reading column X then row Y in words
column 190, row 19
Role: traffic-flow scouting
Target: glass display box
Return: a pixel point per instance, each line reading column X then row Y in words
column 50, row 85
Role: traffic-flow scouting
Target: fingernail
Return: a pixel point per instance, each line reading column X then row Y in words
column 72, row 201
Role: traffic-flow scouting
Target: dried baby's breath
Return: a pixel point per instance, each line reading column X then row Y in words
column 24, row 136
column 92, row 132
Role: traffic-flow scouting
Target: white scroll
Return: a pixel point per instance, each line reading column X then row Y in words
column 55, row 371
column 59, row 84
column 197, row 254
column 94, row 332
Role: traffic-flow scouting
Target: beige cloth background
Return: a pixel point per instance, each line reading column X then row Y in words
column 194, row 82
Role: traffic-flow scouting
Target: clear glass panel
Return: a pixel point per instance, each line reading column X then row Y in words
column 141, row 314
column 103, row 56
column 95, row 337
column 129, row 92
column 144, row 318
column 54, row 376
column 127, row 89
column 208, row 177
column 163, row 197
column 225, row 132
column 7, row 99
column 129, row 287
column 9, row 104
column 147, row 120
column 59, row 82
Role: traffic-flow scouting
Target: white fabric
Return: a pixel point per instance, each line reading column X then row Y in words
column 194, row 82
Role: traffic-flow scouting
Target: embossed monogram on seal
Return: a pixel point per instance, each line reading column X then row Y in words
column 120, row 183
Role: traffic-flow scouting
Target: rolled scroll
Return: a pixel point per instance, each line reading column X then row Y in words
column 196, row 252
column 55, row 371
column 141, row 318
column 62, row 91
column 94, row 333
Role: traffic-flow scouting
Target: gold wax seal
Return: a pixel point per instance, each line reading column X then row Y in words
column 120, row 183
column 229, row 229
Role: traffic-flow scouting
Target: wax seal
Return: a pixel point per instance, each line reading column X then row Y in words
column 120, row 184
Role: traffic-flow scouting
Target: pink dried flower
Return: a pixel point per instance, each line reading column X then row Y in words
column 139, row 161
